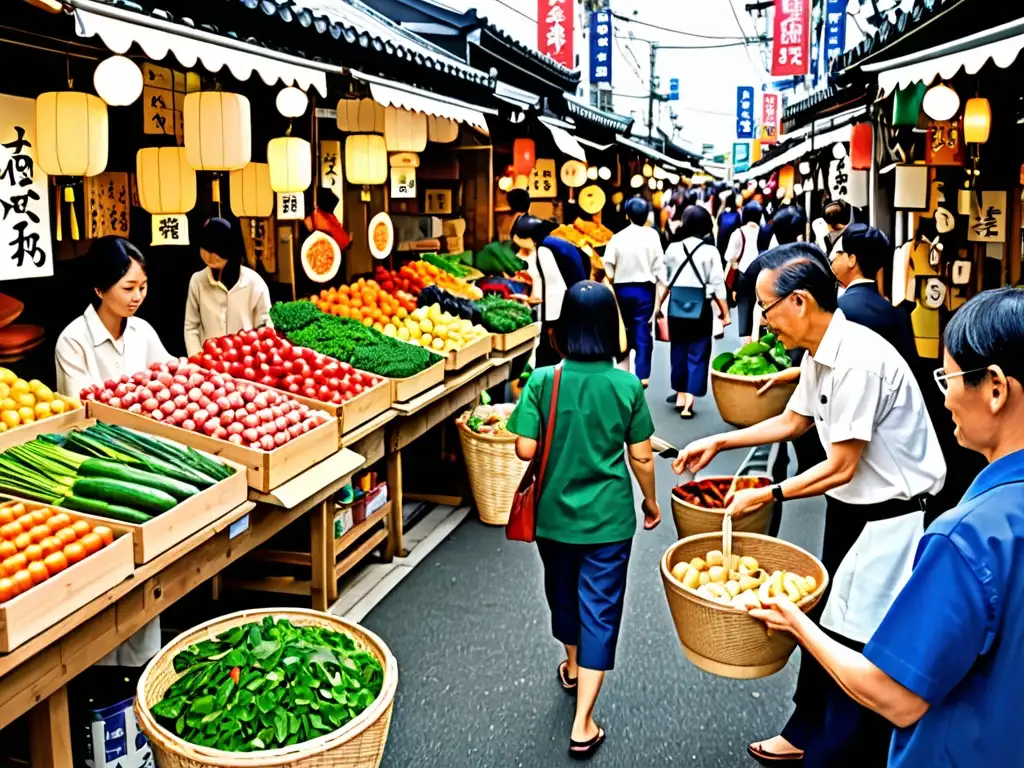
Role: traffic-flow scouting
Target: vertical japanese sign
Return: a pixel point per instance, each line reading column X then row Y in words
column 835, row 30
column 163, row 100
column 555, row 30
column 673, row 89
column 792, row 37
column 403, row 183
column 769, row 118
column 107, row 202
column 745, row 112
column 740, row 156
column 543, row 183
column 26, row 249
column 330, row 165
column 600, row 46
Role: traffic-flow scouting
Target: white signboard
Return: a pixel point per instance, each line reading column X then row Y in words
column 988, row 221
column 330, row 165
column 291, row 206
column 26, row 248
column 403, row 183
column 170, row 229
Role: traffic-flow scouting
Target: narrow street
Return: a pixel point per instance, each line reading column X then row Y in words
column 477, row 661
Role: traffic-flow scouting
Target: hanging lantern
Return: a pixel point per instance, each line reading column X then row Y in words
column 405, row 130
column 292, row 102
column 251, row 194
column 522, row 182
column 977, row 121
column 441, row 130
column 652, row 183
column 71, row 133
column 291, row 169
column 861, row 146
column 592, row 199
column 786, row 178
column 906, row 105
column 118, row 81
column 524, row 154
column 167, row 189
column 505, row 183
column 366, row 159
column 592, row 173
column 404, row 160
column 573, row 174
column 648, row 170
column 360, row 116
column 604, row 173
column 940, row 102
column 637, row 181
column 218, row 131
column 805, row 168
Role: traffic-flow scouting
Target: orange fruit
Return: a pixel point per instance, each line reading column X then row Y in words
column 34, row 552
column 355, row 314
column 17, row 509
column 40, row 516
column 91, row 543
column 23, row 581
column 22, row 540
column 58, row 521
column 10, row 531
column 368, row 322
column 50, row 544
column 7, row 589
column 55, row 563
column 66, row 536
column 6, row 516
column 38, row 533
column 81, row 527
column 15, row 563
column 74, row 552
column 7, row 549
column 105, row 534
column 38, row 572
column 25, row 521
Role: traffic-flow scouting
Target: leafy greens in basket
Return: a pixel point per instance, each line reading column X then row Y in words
column 268, row 685
column 758, row 358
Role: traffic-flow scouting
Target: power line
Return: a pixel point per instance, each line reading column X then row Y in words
column 513, row 8
column 675, row 31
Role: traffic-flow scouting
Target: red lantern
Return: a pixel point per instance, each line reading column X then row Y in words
column 861, row 146
column 524, row 154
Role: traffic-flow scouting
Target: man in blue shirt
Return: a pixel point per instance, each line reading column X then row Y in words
column 946, row 664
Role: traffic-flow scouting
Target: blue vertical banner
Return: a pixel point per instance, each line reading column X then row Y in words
column 673, row 89
column 740, row 156
column 601, row 46
column 745, row 112
column 835, row 31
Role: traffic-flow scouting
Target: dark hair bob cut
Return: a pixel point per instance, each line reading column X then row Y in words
column 637, row 209
column 752, row 213
column 802, row 266
column 110, row 259
column 589, row 327
column 988, row 330
column 869, row 245
column 529, row 227
column 789, row 224
column 836, row 213
column 697, row 222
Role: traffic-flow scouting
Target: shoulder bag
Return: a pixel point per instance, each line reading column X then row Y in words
column 686, row 302
column 522, row 519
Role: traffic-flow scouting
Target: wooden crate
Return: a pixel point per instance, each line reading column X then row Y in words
column 458, row 359
column 59, row 423
column 407, row 388
column 505, row 342
column 25, row 616
column 265, row 470
column 357, row 411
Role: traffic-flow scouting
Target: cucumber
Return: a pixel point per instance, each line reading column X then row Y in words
column 102, row 509
column 118, row 471
column 121, row 492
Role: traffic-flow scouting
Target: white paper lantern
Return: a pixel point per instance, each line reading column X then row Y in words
column 648, row 170
column 604, row 173
column 652, row 183
column 118, row 81
column 167, row 183
column 366, row 159
column 940, row 102
column 637, row 181
column 291, row 166
column 442, row 130
column 405, row 130
column 251, row 194
column 360, row 116
column 805, row 168
column 71, row 133
column 404, row 160
column 292, row 102
column 218, row 131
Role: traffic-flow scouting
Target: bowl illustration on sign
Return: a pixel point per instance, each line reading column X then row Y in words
column 381, row 235
column 321, row 257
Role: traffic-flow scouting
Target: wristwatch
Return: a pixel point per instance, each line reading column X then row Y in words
column 777, row 494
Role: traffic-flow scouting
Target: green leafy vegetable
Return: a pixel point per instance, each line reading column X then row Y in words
column 758, row 358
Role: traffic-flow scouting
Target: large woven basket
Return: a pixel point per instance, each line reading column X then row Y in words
column 721, row 639
column 494, row 472
column 740, row 405
column 357, row 744
column 691, row 519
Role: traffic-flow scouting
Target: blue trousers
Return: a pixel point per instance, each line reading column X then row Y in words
column 636, row 302
column 585, row 586
column 690, row 349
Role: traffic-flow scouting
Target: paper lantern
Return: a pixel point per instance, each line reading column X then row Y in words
column 505, row 183
column 522, row 182
column 366, row 159
column 71, row 133
column 360, row 116
column 805, row 168
column 218, row 131
column 292, row 102
column 604, row 173
column 251, row 194
column 592, row 199
column 405, row 130
column 167, row 183
column 637, row 181
column 911, row 187
column 648, row 170
column 652, row 183
column 861, row 146
column 977, row 121
column 291, row 169
column 906, row 105
column 940, row 102
column 573, row 174
column 404, row 160
column 442, row 130
column 524, row 156
column 118, row 81
column 786, row 178
column 592, row 173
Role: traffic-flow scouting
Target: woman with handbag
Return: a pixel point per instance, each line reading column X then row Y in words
column 695, row 275
column 575, row 422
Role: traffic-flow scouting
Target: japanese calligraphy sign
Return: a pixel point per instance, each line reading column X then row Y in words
column 291, row 206
column 555, row 30
column 988, row 221
column 107, row 204
column 835, row 30
column 770, row 118
column 945, row 142
column 403, row 183
column 839, row 178
column 170, row 229
column 163, row 99
column 543, row 181
column 330, row 165
column 437, row 202
column 26, row 249
column 745, row 112
column 600, row 46
column 792, row 37
column 740, row 156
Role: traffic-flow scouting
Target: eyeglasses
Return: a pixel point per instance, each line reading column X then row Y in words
column 766, row 309
column 942, row 378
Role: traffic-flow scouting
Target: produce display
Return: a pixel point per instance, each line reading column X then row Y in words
column 367, row 302
column 743, row 585
column 503, row 315
column 22, row 402
column 758, row 358
column 440, row 331
column 268, row 685
column 453, row 268
column 420, row 274
column 581, row 233
column 37, row 545
column 489, row 419
column 710, row 493
column 109, row 471
column 272, row 360
column 499, row 258
column 186, row 395
column 453, row 305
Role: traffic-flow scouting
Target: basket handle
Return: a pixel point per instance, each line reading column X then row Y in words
column 727, row 529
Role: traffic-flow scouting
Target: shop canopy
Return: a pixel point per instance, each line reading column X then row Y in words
column 669, row 163
column 392, row 94
column 564, row 140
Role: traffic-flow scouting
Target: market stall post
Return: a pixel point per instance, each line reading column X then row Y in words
column 50, row 732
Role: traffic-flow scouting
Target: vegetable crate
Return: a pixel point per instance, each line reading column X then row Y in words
column 506, row 342
column 353, row 413
column 25, row 616
column 406, row 389
column 265, row 470
column 459, row 358
column 58, row 423
column 740, row 405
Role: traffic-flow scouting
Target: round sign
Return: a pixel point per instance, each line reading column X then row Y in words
column 321, row 257
column 934, row 294
column 592, row 199
column 574, row 173
column 381, row 235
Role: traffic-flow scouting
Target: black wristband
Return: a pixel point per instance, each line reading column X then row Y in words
column 777, row 494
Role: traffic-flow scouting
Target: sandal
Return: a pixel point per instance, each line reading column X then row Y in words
column 568, row 683
column 686, row 415
column 584, row 750
column 765, row 757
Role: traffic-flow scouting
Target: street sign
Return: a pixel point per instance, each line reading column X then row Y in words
column 673, row 89
column 745, row 112
column 792, row 37
column 600, row 46
column 740, row 156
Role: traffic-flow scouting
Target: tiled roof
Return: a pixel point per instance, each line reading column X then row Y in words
column 922, row 12
column 532, row 53
column 610, row 120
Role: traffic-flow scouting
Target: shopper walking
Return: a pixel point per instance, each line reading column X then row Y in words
column 740, row 255
column 883, row 462
column 837, row 215
column 586, row 516
column 729, row 220
column 635, row 263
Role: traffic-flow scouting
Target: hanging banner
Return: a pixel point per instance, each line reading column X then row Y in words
column 555, row 31
column 27, row 250
column 330, row 164
column 106, row 205
column 543, row 183
column 740, row 156
column 745, row 112
column 770, row 118
column 600, row 46
column 835, row 30
column 792, row 38
column 988, row 221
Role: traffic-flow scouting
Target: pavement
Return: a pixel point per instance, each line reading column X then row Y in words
column 477, row 663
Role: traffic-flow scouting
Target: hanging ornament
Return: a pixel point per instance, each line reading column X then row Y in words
column 592, row 199
column 118, row 81
column 940, row 102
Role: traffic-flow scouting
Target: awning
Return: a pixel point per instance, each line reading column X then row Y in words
column 392, row 94
column 517, row 97
column 670, row 163
column 119, row 29
column 797, row 151
column 564, row 140
column 1001, row 45
column 594, row 144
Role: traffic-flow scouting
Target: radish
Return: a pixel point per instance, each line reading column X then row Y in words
column 181, row 379
column 250, row 436
column 105, row 396
column 162, row 396
column 192, row 408
column 270, row 428
column 294, row 431
column 210, row 427
column 164, row 379
column 267, row 443
column 196, row 379
column 114, row 402
column 179, row 415
column 293, row 417
column 281, row 423
column 180, row 401
column 200, row 417
column 223, row 403
column 150, row 405
column 250, row 408
column 236, row 400
column 120, row 390
column 153, row 387
column 157, row 416
column 236, row 439
column 217, row 381
column 229, row 386
column 261, row 430
column 129, row 400
column 276, row 411
column 172, row 366
column 235, row 428
column 189, row 425
column 220, row 433
column 177, row 389
column 255, row 445
column 251, row 420
column 194, row 394
column 168, row 408
column 280, row 438
column 207, row 388
column 265, row 414
column 218, row 393
column 213, row 409
column 204, row 401
column 226, row 418
column 135, row 408
column 260, row 400
column 229, row 413
column 249, row 394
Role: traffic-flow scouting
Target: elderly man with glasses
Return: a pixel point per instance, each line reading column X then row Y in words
column 883, row 462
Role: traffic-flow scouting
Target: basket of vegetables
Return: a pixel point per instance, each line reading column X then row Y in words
column 490, row 452
column 697, row 506
column 279, row 687
column 737, row 376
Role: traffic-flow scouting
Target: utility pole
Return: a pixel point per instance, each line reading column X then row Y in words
column 653, row 93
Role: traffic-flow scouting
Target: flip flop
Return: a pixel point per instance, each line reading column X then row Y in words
column 584, row 750
column 568, row 683
column 764, row 757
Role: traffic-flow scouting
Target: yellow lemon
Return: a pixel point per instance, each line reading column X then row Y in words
column 402, row 313
column 26, row 414
column 426, row 325
column 7, row 376
column 415, row 332
column 27, row 399
column 19, row 387
column 378, row 327
column 5, row 390
column 425, row 339
column 43, row 410
column 10, row 418
column 403, row 333
column 441, row 331
column 390, row 330
column 8, row 404
column 35, row 384
column 437, row 344
column 58, row 406
column 3, row 427
column 44, row 394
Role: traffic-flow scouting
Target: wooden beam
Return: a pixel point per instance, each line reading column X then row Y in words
column 396, row 521
column 358, row 554
column 50, row 732
column 321, row 539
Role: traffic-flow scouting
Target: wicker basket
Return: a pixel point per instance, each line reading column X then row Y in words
column 740, row 405
column 357, row 744
column 494, row 472
column 691, row 519
column 723, row 640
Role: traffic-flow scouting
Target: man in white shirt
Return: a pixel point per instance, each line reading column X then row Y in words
column 883, row 462
column 635, row 263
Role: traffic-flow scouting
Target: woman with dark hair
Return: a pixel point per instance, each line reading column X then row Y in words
column 738, row 257
column 226, row 297
column 728, row 220
column 586, row 515
column 693, row 265
column 837, row 215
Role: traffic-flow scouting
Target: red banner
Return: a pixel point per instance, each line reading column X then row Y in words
column 770, row 118
column 792, row 38
column 555, row 20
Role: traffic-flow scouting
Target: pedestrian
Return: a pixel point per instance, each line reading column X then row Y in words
column 729, row 220
column 740, row 255
column 883, row 462
column 635, row 263
column 837, row 217
column 586, row 516
column 946, row 658
column 788, row 226
column 695, row 282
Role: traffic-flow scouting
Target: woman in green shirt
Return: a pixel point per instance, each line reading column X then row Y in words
column 586, row 515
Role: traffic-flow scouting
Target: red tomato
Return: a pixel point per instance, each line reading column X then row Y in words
column 230, row 354
column 210, row 347
column 247, row 373
column 227, row 342
column 248, row 361
column 235, row 369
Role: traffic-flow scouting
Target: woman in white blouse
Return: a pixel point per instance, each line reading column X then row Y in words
column 226, row 297
column 739, row 255
column 692, row 261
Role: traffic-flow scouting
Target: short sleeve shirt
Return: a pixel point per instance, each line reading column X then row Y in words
column 587, row 495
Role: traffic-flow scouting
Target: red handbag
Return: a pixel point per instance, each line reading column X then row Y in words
column 522, row 520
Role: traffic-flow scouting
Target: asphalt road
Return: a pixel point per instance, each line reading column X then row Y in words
column 477, row 686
